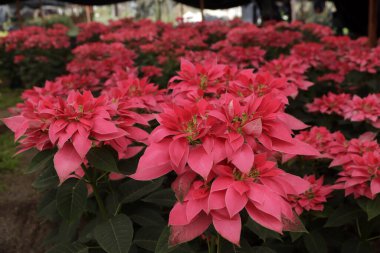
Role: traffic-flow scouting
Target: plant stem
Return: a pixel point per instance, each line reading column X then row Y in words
column 99, row 201
column 358, row 227
column 218, row 248
column 211, row 243
column 373, row 238
column 93, row 182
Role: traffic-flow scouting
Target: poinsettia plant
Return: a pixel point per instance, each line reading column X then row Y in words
column 206, row 137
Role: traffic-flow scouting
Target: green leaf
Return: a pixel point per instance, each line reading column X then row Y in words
column 163, row 197
column 315, row 243
column 147, row 238
column 342, row 216
column 65, row 232
column 162, row 245
column 113, row 203
column 294, row 225
column 68, row 248
column 41, row 160
column 263, row 233
column 263, row 249
column 86, row 233
column 354, row 246
column 102, row 159
column 133, row 190
column 370, row 206
column 373, row 208
column 71, row 199
column 47, row 179
column 47, row 207
column 115, row 235
column 147, row 217
column 295, row 235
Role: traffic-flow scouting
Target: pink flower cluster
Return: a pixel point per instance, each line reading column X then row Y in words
column 313, row 198
column 337, row 56
column 57, row 117
column 358, row 157
column 353, row 108
column 211, row 80
column 223, row 148
column 99, row 61
column 34, row 41
column 32, row 37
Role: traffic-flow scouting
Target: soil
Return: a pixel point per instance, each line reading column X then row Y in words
column 21, row 231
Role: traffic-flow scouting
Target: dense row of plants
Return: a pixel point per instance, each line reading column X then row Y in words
column 200, row 137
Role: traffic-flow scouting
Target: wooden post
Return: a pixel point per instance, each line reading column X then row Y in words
column 41, row 10
column 18, row 13
column 254, row 12
column 116, row 8
column 181, row 10
column 372, row 23
column 159, row 10
column 202, row 5
column 89, row 13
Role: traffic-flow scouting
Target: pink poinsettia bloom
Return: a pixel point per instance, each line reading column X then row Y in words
column 196, row 80
column 73, row 125
column 330, row 103
column 361, row 177
column 261, row 192
column 291, row 68
column 175, row 143
column 247, row 83
column 150, row 71
column 137, row 91
column 360, row 109
column 313, row 198
column 319, row 138
column 259, row 121
column 79, row 121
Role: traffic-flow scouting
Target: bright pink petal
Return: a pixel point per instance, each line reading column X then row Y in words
column 177, row 216
column 294, row 147
column 264, row 219
column 182, row 184
column 66, row 161
column 243, row 159
column 375, row 186
column 235, row 202
column 81, row 144
column 103, row 127
column 194, row 207
column 18, row 125
column 177, row 149
column 254, row 127
column 230, row 229
column 217, row 200
column 181, row 234
column 221, row 183
column 291, row 121
column 160, row 133
column 154, row 163
column 200, row 162
column 55, row 128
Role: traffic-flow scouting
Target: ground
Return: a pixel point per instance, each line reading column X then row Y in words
column 20, row 229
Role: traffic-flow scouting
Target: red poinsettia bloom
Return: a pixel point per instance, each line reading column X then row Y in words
column 361, row 177
column 313, row 198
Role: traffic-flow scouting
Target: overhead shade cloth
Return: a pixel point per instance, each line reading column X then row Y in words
column 208, row 4
column 215, row 4
column 81, row 2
